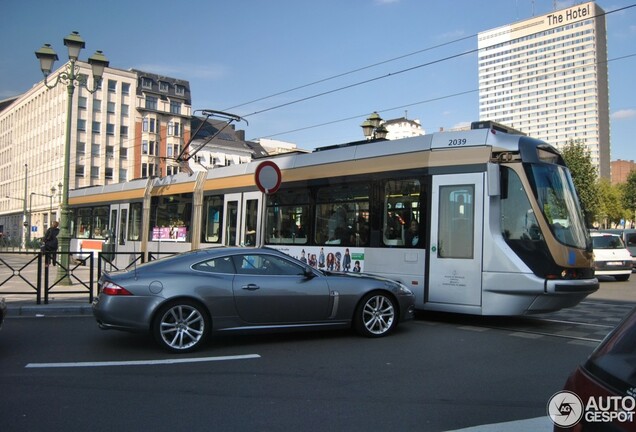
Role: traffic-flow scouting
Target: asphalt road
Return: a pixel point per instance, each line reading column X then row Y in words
column 441, row 372
column 65, row 374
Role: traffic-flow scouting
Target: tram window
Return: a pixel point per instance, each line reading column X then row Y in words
column 518, row 221
column 456, row 221
column 170, row 217
column 213, row 210
column 342, row 215
column 83, row 222
column 100, row 222
column 402, row 223
column 134, row 221
column 287, row 217
column 251, row 217
column 122, row 227
column 91, row 222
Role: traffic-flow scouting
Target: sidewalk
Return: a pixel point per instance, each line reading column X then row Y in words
column 59, row 304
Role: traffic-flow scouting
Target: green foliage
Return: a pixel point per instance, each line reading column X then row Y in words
column 584, row 176
column 611, row 206
column 629, row 192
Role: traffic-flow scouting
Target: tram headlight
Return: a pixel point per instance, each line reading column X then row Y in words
column 569, row 274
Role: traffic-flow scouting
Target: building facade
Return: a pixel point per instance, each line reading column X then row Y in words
column 162, row 124
column 621, row 169
column 403, row 128
column 547, row 76
column 132, row 126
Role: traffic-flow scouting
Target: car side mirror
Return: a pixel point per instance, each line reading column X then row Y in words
column 308, row 272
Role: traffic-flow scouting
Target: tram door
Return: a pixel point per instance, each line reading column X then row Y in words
column 456, row 239
column 118, row 224
column 241, row 221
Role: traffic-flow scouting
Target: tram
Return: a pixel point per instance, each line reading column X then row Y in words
column 484, row 221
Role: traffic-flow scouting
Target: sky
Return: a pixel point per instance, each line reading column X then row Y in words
column 307, row 72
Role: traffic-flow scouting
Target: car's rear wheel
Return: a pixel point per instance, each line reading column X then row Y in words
column 181, row 326
column 376, row 315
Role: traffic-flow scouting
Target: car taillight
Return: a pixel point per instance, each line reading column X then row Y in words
column 113, row 289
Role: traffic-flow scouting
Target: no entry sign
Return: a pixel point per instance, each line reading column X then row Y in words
column 268, row 177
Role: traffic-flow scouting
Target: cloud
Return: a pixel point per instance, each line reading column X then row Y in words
column 386, row 2
column 625, row 114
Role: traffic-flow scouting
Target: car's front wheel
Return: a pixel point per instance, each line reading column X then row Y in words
column 376, row 315
column 181, row 326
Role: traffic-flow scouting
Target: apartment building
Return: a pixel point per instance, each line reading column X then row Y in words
column 162, row 124
column 133, row 125
column 547, row 76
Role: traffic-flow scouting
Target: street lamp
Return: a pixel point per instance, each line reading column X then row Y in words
column 71, row 77
column 372, row 127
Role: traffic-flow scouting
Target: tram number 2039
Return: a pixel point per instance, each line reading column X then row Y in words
column 457, row 142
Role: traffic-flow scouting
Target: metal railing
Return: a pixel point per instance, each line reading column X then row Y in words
column 25, row 273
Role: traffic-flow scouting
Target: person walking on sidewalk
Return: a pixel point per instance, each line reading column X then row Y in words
column 49, row 241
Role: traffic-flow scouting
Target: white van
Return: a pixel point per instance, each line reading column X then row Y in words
column 611, row 257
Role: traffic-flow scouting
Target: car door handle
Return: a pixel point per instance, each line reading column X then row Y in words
column 250, row 287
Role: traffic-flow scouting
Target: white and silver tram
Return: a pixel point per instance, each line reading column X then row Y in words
column 482, row 221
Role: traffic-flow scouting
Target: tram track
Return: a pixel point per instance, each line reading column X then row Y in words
column 588, row 322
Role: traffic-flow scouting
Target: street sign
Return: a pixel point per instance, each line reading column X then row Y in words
column 268, row 177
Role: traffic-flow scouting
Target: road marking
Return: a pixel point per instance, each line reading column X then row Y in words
column 142, row 362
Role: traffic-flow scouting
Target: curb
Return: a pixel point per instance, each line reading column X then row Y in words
column 60, row 309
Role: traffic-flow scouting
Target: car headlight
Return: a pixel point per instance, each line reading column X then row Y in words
column 403, row 290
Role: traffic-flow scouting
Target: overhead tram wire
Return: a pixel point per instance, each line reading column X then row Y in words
column 362, row 115
column 412, row 104
column 340, row 75
column 393, row 73
column 386, row 75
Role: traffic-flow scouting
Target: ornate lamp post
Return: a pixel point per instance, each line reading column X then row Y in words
column 372, row 127
column 70, row 77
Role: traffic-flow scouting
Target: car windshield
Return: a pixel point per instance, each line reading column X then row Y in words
column 607, row 242
column 616, row 356
column 555, row 193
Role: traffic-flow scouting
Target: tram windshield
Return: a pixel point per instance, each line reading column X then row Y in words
column 556, row 196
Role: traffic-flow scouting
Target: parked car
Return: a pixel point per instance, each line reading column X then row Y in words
column 611, row 257
column 182, row 299
column 629, row 238
column 3, row 311
column 602, row 391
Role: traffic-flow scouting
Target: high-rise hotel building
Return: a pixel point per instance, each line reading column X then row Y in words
column 547, row 76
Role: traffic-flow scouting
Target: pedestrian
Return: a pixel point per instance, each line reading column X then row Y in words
column 49, row 246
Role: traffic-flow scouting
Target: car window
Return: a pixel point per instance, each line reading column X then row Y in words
column 608, row 242
column 257, row 264
column 217, row 265
column 617, row 354
column 631, row 239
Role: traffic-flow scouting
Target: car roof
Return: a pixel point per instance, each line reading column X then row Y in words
column 603, row 234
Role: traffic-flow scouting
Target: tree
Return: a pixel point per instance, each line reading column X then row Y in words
column 584, row 176
column 611, row 208
column 629, row 193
